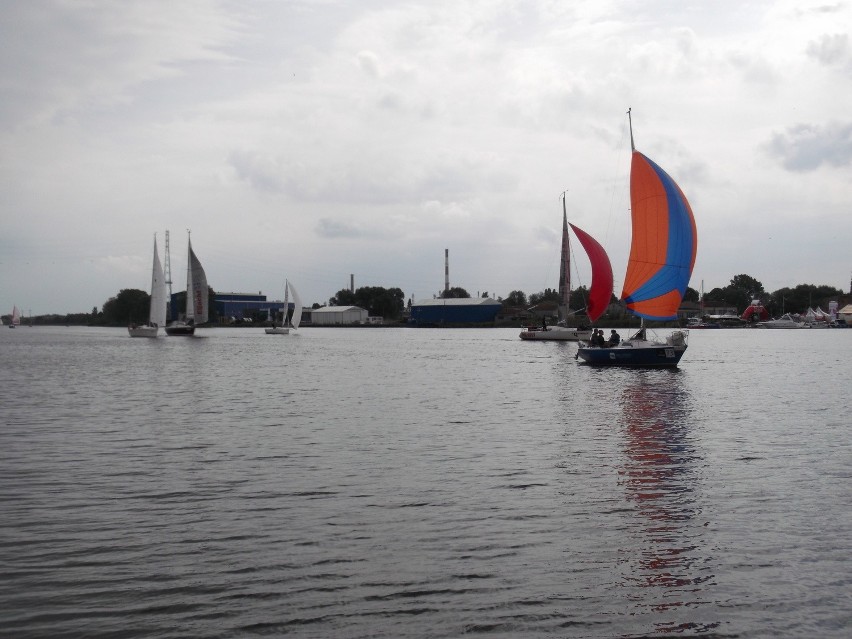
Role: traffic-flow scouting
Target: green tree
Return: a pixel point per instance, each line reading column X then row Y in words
column 343, row 297
column 578, row 298
column 516, row 298
column 800, row 298
column 378, row 301
column 547, row 295
column 691, row 295
column 742, row 290
column 454, row 292
column 129, row 306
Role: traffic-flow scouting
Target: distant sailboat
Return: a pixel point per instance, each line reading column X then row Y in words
column 295, row 320
column 662, row 255
column 157, row 311
column 16, row 317
column 560, row 332
column 196, row 297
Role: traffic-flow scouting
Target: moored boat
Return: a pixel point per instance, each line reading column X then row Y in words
column 785, row 321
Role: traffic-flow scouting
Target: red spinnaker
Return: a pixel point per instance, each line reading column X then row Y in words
column 601, row 291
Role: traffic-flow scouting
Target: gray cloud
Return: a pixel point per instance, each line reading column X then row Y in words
column 830, row 49
column 806, row 147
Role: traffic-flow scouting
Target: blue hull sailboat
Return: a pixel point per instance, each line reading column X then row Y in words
column 662, row 255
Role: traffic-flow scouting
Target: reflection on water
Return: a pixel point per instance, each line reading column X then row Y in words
column 661, row 475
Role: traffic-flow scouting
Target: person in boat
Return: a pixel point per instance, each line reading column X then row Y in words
column 598, row 338
column 614, row 338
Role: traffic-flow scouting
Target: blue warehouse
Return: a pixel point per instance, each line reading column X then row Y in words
column 454, row 311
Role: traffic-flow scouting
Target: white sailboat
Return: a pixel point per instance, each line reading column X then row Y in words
column 560, row 332
column 197, row 304
column 16, row 317
column 157, row 311
column 296, row 319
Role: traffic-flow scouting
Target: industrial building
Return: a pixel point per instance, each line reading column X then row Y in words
column 338, row 316
column 246, row 306
column 454, row 311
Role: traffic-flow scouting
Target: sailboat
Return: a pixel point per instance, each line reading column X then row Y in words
column 196, row 297
column 296, row 319
column 662, row 256
column 16, row 317
column 157, row 311
column 560, row 332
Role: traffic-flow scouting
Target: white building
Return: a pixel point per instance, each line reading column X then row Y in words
column 338, row 316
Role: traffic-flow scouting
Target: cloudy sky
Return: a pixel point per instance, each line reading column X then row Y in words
column 311, row 139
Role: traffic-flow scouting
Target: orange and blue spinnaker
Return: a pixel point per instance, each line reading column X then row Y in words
column 664, row 244
column 600, row 292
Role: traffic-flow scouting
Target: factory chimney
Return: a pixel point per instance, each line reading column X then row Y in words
column 352, row 283
column 446, row 270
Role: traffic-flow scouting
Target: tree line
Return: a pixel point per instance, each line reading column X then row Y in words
column 131, row 305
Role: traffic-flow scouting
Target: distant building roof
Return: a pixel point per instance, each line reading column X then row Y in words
column 457, row 301
column 336, row 309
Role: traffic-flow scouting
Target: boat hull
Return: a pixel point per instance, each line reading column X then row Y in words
column 143, row 331
column 555, row 334
column 180, row 329
column 650, row 355
column 278, row 330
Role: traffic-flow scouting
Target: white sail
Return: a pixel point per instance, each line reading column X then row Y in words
column 196, row 290
column 157, row 313
column 297, row 307
column 286, row 303
column 16, row 316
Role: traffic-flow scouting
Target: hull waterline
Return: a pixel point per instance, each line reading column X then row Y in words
column 179, row 330
column 143, row 331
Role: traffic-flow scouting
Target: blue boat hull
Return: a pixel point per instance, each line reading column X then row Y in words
column 650, row 356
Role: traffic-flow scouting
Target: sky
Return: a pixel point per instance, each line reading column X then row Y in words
column 317, row 139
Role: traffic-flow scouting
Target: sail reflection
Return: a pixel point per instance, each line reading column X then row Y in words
column 661, row 475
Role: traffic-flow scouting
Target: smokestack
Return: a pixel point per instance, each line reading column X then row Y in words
column 352, row 282
column 446, row 269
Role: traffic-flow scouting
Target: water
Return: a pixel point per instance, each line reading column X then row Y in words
column 421, row 483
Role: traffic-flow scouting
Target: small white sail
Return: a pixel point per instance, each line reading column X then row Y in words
column 196, row 290
column 157, row 313
column 16, row 317
column 297, row 307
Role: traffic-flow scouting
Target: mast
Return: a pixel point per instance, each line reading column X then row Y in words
column 633, row 150
column 190, row 314
column 168, row 278
column 565, row 264
column 630, row 122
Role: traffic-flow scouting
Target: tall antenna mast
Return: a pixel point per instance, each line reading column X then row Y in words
column 168, row 277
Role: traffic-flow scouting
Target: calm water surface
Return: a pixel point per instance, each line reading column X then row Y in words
column 393, row 483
